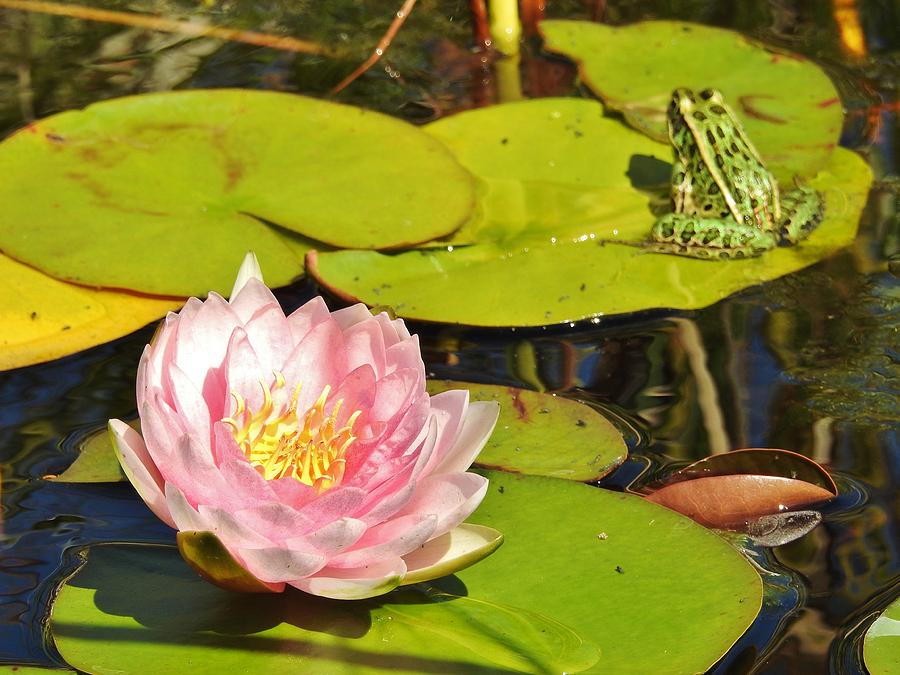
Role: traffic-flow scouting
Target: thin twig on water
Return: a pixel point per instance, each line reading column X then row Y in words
column 380, row 48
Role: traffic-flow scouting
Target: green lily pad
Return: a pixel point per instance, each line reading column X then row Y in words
column 553, row 169
column 529, row 278
column 656, row 594
column 789, row 107
column 544, row 435
column 881, row 646
column 165, row 193
column 96, row 462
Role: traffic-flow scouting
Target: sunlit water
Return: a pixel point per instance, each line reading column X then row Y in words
column 809, row 362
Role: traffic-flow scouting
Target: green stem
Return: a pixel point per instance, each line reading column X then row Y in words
column 506, row 28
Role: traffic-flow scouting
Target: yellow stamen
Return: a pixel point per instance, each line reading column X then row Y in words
column 280, row 441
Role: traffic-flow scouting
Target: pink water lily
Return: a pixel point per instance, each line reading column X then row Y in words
column 306, row 444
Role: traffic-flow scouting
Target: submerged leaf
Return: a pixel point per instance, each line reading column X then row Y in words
column 760, row 461
column 781, row 528
column 730, row 502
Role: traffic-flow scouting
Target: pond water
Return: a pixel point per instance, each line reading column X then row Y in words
column 809, row 362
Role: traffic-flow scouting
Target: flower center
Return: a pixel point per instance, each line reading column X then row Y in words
column 279, row 441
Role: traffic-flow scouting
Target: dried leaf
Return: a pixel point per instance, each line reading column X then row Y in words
column 731, row 502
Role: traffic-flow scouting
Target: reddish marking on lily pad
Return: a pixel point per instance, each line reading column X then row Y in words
column 731, row 502
column 518, row 404
column 828, row 102
column 746, row 103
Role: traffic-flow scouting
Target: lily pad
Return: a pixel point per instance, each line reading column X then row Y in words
column 544, row 435
column 553, row 169
column 96, row 461
column 42, row 318
column 531, row 278
column 553, row 598
column 789, row 107
column 164, row 193
column 881, row 646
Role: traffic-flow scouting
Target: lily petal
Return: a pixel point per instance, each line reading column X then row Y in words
column 393, row 538
column 140, row 469
column 452, row 497
column 279, row 563
column 354, row 583
column 459, row 548
column 478, row 424
column 334, row 537
column 249, row 269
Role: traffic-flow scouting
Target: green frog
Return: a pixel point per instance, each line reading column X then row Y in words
column 726, row 203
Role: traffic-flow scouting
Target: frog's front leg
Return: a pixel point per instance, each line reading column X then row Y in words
column 681, row 187
column 708, row 238
column 801, row 212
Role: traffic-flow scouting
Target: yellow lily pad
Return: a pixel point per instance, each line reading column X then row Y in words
column 42, row 319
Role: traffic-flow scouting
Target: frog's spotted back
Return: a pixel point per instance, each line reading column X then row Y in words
column 720, row 185
column 719, row 147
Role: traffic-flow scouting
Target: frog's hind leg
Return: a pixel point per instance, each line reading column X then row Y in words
column 801, row 212
column 707, row 238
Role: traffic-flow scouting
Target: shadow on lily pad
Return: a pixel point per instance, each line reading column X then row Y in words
column 143, row 602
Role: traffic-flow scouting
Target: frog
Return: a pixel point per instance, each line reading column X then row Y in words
column 725, row 203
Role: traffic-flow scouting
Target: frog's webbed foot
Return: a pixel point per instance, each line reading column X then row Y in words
column 707, row 238
column 802, row 210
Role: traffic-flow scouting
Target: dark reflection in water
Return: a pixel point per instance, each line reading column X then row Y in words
column 808, row 363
